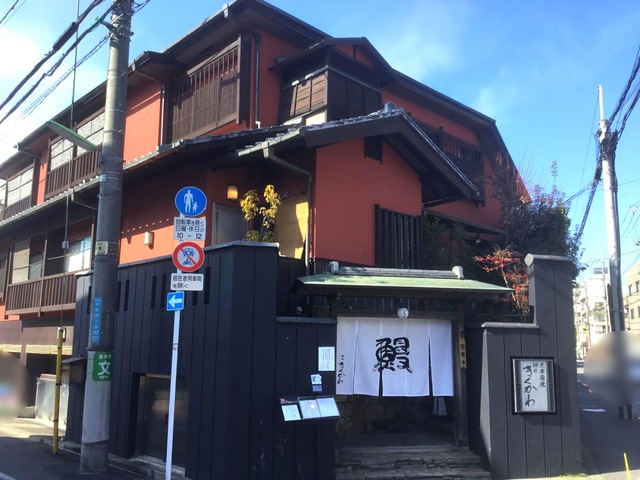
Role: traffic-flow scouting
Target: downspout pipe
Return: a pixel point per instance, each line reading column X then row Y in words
column 268, row 154
column 256, row 100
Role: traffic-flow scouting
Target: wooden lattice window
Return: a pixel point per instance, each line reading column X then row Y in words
column 207, row 97
column 398, row 239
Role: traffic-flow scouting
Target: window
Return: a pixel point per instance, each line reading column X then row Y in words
column 637, row 286
column 631, row 312
column 92, row 131
column 207, row 97
column 63, row 151
column 630, row 291
column 398, row 242
column 20, row 186
column 78, row 256
column 3, row 274
column 26, row 264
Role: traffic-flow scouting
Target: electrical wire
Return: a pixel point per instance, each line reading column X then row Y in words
column 9, row 11
column 52, row 70
column 25, row 113
column 58, row 44
column 623, row 96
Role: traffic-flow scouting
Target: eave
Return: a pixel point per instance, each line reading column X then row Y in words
column 398, row 285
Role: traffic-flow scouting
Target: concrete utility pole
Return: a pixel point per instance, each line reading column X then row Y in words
column 97, row 397
column 608, row 141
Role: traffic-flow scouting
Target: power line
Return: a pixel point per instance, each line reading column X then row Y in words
column 9, row 11
column 623, row 96
column 27, row 111
column 57, row 64
column 58, row 44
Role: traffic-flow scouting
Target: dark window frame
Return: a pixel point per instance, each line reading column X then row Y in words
column 193, row 123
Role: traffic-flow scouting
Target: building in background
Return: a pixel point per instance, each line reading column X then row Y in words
column 632, row 299
column 591, row 313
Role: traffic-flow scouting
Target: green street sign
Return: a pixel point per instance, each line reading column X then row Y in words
column 102, row 366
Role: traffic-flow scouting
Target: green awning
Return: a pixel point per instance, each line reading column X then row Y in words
column 391, row 286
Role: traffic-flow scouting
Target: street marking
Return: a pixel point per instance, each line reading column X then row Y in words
column 5, row 477
column 595, row 410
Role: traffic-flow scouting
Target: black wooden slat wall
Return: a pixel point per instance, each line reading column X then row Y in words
column 528, row 445
column 237, row 361
column 398, row 239
column 296, row 359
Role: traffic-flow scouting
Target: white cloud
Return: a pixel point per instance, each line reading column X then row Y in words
column 18, row 53
column 424, row 40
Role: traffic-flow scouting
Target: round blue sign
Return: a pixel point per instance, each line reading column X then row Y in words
column 191, row 201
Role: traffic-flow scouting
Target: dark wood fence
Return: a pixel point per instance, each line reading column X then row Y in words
column 236, row 358
column 16, row 208
column 41, row 295
column 71, row 173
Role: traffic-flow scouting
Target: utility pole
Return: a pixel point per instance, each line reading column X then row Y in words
column 97, row 396
column 608, row 142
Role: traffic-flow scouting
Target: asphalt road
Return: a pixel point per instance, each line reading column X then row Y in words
column 25, row 451
column 24, row 459
column 605, row 437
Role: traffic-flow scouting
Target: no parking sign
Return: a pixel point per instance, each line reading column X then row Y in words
column 188, row 257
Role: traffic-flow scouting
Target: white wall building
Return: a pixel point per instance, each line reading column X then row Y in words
column 591, row 314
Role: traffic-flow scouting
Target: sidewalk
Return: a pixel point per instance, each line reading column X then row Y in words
column 27, row 454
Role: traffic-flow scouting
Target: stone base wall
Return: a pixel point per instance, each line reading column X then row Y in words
column 363, row 414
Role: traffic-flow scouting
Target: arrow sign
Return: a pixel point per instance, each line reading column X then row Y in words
column 188, row 257
column 175, row 301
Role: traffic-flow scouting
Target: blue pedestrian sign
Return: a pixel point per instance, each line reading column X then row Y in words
column 175, row 301
column 191, row 201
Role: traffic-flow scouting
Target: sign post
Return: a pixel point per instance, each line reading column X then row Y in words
column 187, row 257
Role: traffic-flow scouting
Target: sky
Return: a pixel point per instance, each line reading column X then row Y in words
column 534, row 67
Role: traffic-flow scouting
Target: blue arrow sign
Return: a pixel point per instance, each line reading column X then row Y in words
column 175, row 301
column 191, row 201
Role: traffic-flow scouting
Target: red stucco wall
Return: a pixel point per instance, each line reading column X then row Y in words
column 142, row 130
column 347, row 188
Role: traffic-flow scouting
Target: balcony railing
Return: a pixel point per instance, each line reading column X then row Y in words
column 45, row 294
column 15, row 208
column 82, row 167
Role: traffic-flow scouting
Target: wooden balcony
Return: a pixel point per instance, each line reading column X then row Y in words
column 79, row 168
column 16, row 208
column 46, row 294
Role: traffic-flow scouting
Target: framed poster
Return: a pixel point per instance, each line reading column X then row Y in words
column 533, row 385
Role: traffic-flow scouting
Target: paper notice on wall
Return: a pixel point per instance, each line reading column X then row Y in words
column 310, row 409
column 326, row 359
column 290, row 413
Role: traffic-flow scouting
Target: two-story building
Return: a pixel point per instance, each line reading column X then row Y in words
column 252, row 96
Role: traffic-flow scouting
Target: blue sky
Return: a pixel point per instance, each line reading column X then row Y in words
column 532, row 66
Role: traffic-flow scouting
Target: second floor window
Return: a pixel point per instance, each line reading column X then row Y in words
column 27, row 263
column 78, row 256
column 19, row 187
column 63, row 151
column 207, row 97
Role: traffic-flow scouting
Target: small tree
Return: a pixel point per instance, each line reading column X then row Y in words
column 251, row 209
column 537, row 224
